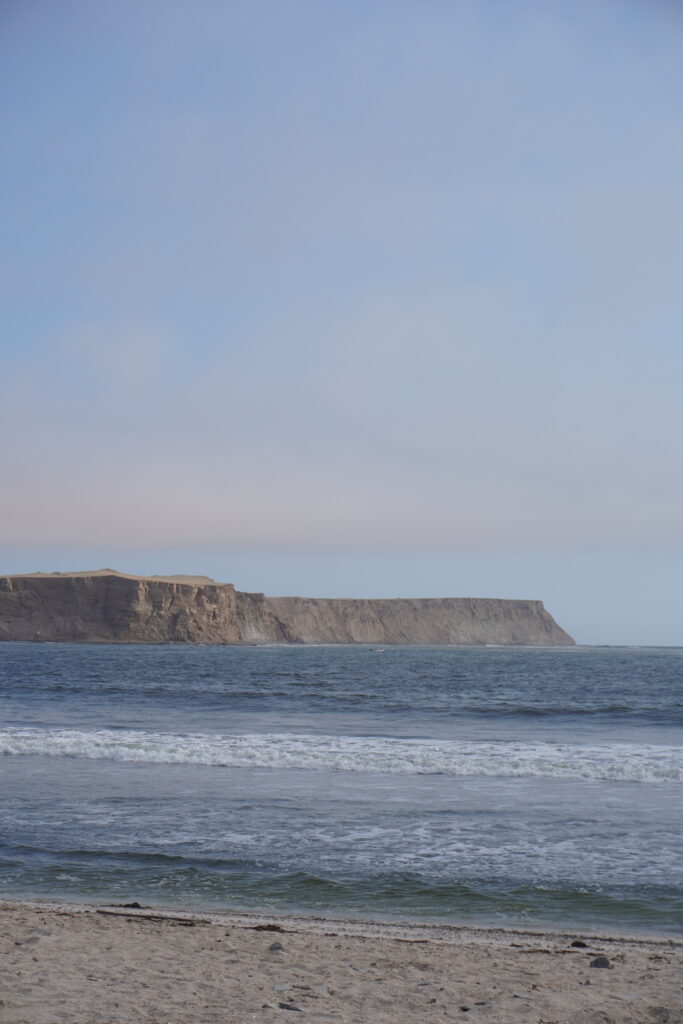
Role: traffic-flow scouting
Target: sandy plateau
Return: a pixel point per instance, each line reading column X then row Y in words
column 86, row 964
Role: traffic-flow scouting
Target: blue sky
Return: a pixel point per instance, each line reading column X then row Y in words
column 348, row 299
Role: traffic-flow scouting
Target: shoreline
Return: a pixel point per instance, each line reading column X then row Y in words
column 401, row 929
column 117, row 964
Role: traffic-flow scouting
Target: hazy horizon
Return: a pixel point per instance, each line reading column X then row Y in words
column 348, row 300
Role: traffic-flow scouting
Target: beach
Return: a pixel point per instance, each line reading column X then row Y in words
column 86, row 963
column 424, row 834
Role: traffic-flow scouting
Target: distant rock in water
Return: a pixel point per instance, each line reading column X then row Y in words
column 105, row 606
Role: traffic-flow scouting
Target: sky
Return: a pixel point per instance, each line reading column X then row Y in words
column 348, row 299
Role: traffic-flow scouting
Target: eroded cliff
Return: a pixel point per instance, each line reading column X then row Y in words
column 106, row 606
column 434, row 620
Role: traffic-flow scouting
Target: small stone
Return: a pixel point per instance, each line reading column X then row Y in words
column 601, row 961
column 290, row 1006
column 275, row 947
column 578, row 944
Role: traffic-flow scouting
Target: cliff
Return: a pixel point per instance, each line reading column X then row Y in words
column 433, row 620
column 106, row 606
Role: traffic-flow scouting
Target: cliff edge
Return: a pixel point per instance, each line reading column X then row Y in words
column 105, row 606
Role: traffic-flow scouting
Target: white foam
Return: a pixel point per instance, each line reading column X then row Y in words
column 504, row 759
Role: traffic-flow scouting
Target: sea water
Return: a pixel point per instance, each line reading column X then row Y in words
column 495, row 785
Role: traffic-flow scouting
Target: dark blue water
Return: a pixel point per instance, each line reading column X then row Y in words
column 502, row 785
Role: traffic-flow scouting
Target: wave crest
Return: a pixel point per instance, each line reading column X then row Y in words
column 613, row 761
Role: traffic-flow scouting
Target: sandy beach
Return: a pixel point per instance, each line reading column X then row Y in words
column 85, row 964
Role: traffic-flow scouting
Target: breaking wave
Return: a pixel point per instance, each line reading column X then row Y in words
column 627, row 762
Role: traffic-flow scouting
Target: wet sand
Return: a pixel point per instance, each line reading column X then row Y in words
column 86, row 964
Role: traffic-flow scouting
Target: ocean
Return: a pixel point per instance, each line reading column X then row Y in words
column 490, row 785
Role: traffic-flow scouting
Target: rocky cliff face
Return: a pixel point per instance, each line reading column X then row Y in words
column 446, row 620
column 106, row 606
column 112, row 607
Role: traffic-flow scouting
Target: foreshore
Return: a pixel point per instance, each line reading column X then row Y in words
column 126, row 964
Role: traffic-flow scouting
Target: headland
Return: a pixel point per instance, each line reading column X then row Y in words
column 105, row 606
